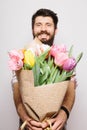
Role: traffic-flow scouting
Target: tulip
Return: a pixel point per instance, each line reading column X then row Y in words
column 16, row 57
column 69, row 64
column 60, row 58
column 29, row 58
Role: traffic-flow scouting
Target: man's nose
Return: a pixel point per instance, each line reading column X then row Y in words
column 43, row 27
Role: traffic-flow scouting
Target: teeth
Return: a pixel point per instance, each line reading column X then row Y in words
column 43, row 35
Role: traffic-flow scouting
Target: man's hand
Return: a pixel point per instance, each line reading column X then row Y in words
column 31, row 124
column 58, row 122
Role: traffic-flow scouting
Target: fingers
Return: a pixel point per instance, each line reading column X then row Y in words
column 30, row 127
column 34, row 125
column 57, row 126
column 47, row 123
column 31, row 124
column 53, row 124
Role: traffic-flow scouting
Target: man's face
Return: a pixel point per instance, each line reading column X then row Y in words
column 44, row 29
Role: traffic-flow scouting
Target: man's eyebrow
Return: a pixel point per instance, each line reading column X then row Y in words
column 37, row 22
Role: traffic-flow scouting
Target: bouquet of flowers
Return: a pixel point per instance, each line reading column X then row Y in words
column 44, row 74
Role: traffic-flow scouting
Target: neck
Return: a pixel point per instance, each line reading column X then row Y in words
column 37, row 41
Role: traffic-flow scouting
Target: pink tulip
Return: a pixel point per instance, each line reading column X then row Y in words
column 15, row 65
column 60, row 58
column 13, row 54
column 16, row 57
column 69, row 64
column 57, row 49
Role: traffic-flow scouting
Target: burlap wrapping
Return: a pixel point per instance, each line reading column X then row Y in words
column 42, row 101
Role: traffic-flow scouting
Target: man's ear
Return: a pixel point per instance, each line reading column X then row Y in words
column 56, row 31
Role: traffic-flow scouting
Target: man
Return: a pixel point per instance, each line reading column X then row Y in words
column 44, row 26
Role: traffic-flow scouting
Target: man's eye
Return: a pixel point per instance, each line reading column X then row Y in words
column 48, row 25
column 38, row 24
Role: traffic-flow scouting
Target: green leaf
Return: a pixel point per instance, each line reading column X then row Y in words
column 50, row 79
column 79, row 57
column 36, row 69
column 57, row 75
column 62, row 76
column 54, row 75
column 27, row 67
column 50, row 62
column 43, row 56
column 70, row 51
column 36, row 72
column 45, row 72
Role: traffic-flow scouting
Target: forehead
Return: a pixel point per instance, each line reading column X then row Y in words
column 42, row 19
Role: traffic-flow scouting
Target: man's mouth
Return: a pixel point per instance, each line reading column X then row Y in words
column 43, row 35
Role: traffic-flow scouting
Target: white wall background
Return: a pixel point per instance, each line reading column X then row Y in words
column 15, row 31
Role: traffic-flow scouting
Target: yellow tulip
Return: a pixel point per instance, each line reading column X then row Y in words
column 29, row 58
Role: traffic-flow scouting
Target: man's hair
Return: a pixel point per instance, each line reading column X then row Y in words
column 45, row 13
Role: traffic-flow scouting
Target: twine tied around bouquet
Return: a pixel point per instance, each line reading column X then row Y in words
column 23, row 125
column 49, row 123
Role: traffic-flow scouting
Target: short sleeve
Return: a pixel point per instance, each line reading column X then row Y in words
column 14, row 78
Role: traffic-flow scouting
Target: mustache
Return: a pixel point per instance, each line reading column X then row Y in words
column 43, row 32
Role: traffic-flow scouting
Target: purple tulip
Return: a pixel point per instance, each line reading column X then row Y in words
column 69, row 64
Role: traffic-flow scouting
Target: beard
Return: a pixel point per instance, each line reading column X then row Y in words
column 44, row 40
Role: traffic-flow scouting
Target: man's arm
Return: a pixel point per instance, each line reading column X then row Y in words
column 18, row 102
column 17, row 97
column 68, row 103
column 59, row 121
column 69, row 99
column 31, row 124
